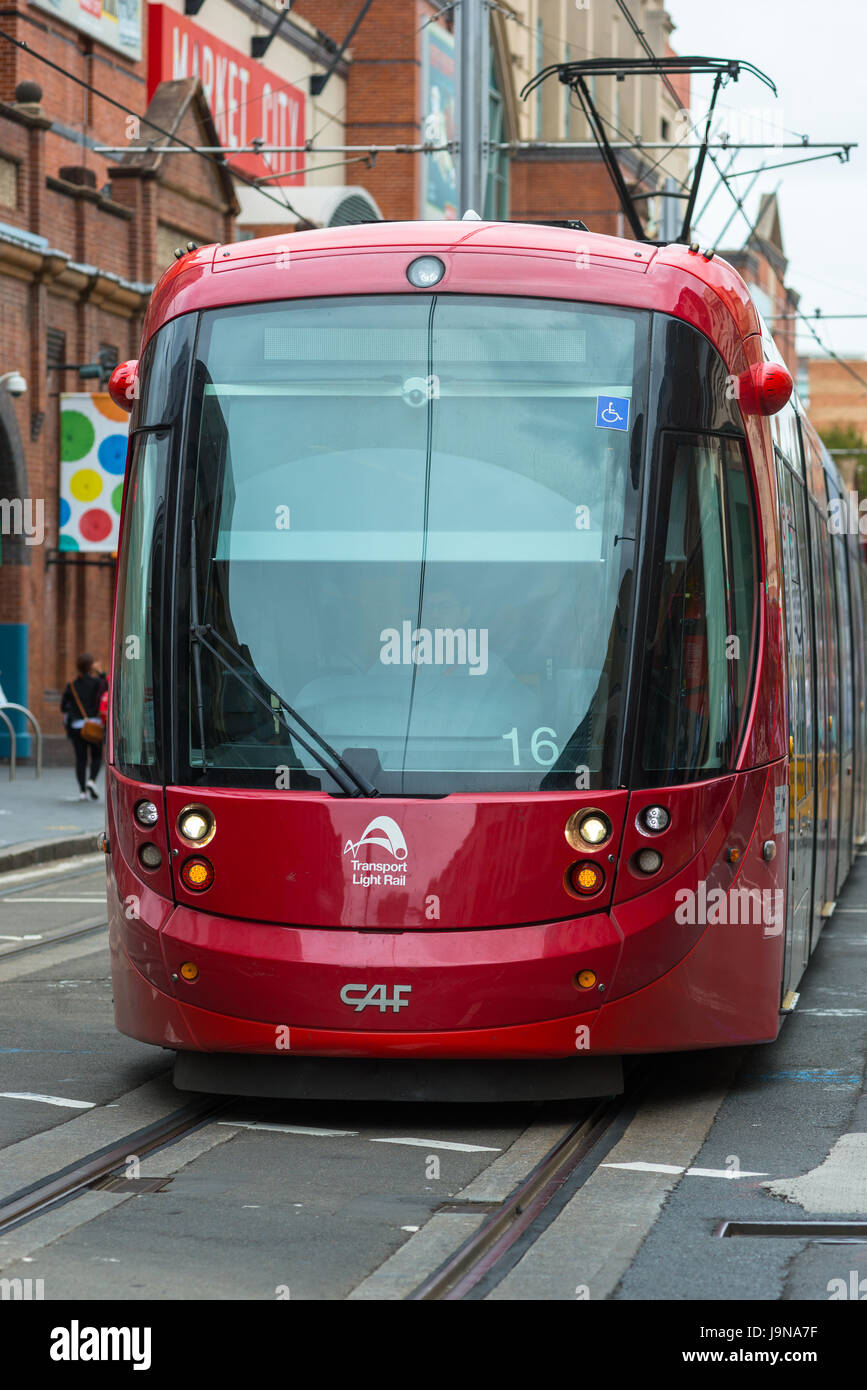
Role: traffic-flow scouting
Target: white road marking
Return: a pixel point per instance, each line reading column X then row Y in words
column 834, row 1013
column 690, row 1172
column 442, row 1144
column 722, row 1173
column 19, row 898
column 852, row 909
column 837, row 1185
column 292, row 1129
column 49, row 1100
column 353, row 1134
column 410, row 1228
column 31, row 937
column 648, row 1167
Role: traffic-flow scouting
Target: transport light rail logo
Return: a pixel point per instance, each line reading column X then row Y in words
column 390, row 837
column 386, row 832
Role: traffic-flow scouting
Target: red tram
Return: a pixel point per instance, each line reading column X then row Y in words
column 488, row 682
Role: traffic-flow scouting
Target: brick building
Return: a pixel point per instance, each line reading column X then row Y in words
column 84, row 235
column 762, row 263
column 837, row 403
column 89, row 215
column 401, row 90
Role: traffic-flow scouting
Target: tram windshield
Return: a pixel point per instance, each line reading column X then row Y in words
column 411, row 517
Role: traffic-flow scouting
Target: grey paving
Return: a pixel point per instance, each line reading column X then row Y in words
column 46, row 808
column 790, row 1104
column 57, row 1033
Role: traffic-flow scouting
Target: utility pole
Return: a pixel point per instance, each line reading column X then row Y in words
column 474, row 65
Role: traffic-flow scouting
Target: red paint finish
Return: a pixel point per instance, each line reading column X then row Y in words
column 459, row 980
column 121, row 385
column 465, row 980
column 713, row 997
column 471, row 861
column 468, row 911
column 126, row 836
column 490, row 258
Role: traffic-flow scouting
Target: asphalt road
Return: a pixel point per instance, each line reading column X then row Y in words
column 331, row 1200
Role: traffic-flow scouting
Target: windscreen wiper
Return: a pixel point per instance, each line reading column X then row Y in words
column 352, row 782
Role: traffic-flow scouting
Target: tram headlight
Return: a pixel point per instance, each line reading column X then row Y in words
column 654, row 819
column 585, row 878
column 649, row 861
column 425, row 271
column 146, row 813
column 196, row 825
column 197, row 874
column 587, row 828
column 150, row 856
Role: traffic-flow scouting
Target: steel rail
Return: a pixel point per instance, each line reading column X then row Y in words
column 32, row 1201
column 487, row 1246
column 58, row 940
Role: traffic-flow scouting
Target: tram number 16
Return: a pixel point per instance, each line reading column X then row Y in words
column 544, row 750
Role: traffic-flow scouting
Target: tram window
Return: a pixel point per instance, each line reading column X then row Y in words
column 164, row 373
column 133, row 722
column 434, row 494
column 695, row 685
column 847, row 730
column 743, row 594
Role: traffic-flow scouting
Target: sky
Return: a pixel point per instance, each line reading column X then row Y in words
column 816, row 54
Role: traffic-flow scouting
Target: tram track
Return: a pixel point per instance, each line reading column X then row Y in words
column 470, row 1271
column 78, row 1177
column 50, row 880
column 521, row 1218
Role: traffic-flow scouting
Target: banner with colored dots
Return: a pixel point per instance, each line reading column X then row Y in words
column 93, row 440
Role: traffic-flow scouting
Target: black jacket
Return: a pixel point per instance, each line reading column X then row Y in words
column 89, row 690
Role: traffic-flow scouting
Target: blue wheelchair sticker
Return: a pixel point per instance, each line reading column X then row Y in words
column 612, row 412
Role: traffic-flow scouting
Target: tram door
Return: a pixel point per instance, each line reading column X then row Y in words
column 818, row 531
column 846, row 739
column 832, row 724
column 801, row 788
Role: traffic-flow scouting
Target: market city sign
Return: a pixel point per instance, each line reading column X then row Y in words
column 248, row 101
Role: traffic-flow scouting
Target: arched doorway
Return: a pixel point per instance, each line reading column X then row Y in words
column 16, row 518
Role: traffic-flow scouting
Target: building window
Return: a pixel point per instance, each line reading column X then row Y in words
column 55, row 347
column 539, row 64
column 168, row 239
column 803, row 386
column 496, row 207
column 8, row 182
column 108, row 356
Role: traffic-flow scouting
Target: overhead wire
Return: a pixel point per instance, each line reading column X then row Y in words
column 216, row 159
column 751, row 225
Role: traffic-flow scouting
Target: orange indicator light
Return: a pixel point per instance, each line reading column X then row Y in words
column 586, row 978
column 191, row 972
column 197, row 874
column 586, row 878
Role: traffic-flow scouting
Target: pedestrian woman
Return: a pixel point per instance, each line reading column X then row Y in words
column 80, row 706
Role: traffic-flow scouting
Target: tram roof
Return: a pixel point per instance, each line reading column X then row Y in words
column 352, row 259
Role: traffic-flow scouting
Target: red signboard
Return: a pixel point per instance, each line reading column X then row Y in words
column 248, row 101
